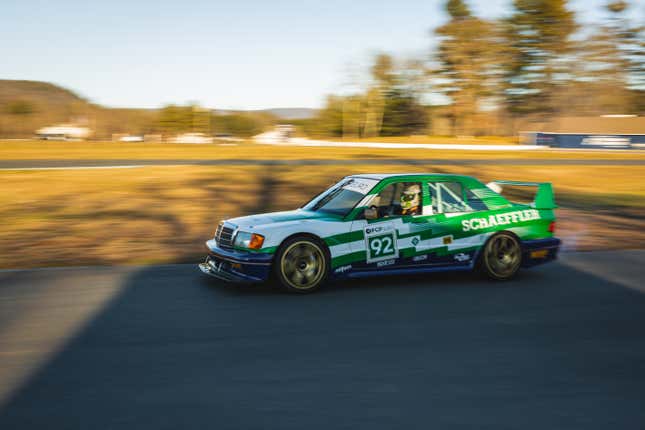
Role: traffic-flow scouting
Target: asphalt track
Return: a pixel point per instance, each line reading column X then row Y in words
column 77, row 164
column 561, row 347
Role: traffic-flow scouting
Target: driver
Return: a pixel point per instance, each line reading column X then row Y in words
column 411, row 200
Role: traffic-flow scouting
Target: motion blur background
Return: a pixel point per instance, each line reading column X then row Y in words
column 130, row 128
column 487, row 88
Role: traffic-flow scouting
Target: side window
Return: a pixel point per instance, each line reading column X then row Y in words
column 475, row 202
column 448, row 197
column 401, row 198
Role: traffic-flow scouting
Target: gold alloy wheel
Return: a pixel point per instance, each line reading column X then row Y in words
column 502, row 256
column 303, row 265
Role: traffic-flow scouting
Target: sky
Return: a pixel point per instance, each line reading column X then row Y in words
column 241, row 54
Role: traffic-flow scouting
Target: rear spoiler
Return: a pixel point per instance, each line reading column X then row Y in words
column 544, row 197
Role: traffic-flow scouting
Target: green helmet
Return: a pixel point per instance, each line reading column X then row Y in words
column 411, row 196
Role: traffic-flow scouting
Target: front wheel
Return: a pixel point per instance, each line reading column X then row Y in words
column 501, row 257
column 301, row 265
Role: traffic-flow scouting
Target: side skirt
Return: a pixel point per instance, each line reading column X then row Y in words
column 404, row 271
column 360, row 272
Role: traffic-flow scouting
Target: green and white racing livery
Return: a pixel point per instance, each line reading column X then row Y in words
column 388, row 224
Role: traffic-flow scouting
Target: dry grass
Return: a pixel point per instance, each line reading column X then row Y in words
column 462, row 140
column 50, row 150
column 163, row 214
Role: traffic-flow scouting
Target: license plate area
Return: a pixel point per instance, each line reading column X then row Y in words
column 215, row 264
column 541, row 253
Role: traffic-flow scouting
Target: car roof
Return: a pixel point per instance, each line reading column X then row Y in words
column 381, row 176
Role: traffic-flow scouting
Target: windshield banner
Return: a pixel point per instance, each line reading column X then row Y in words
column 360, row 185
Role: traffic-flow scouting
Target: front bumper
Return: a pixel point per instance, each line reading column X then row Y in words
column 539, row 251
column 236, row 266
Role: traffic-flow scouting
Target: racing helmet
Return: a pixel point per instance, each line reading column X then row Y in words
column 410, row 196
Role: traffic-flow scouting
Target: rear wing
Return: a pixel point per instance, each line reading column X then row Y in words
column 544, row 197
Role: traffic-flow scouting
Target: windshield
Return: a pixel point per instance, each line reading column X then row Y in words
column 342, row 197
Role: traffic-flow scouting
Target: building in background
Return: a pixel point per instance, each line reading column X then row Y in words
column 64, row 132
column 191, row 138
column 607, row 131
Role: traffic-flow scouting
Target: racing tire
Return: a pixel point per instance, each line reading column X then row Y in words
column 301, row 264
column 501, row 257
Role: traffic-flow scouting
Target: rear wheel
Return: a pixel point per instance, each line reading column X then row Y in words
column 501, row 257
column 301, row 264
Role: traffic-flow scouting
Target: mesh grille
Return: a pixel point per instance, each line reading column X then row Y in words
column 224, row 236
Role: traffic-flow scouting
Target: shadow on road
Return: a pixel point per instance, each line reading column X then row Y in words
column 556, row 348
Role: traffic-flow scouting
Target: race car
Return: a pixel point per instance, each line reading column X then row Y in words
column 388, row 224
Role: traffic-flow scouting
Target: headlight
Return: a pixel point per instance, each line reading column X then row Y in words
column 244, row 239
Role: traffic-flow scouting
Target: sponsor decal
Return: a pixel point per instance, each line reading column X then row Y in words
column 461, row 257
column 370, row 230
column 420, row 257
column 343, row 269
column 360, row 185
column 606, row 141
column 385, row 263
column 500, row 219
column 416, row 240
column 447, row 240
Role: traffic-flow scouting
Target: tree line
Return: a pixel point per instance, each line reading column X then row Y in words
column 175, row 119
column 494, row 76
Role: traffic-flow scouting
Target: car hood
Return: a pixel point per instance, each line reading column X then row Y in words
column 262, row 221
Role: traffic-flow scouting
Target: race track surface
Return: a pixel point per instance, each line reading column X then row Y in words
column 561, row 347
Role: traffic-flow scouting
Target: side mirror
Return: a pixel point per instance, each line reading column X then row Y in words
column 495, row 187
column 370, row 213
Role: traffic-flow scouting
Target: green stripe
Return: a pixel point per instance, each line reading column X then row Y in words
column 361, row 256
column 423, row 234
column 339, row 239
column 268, row 250
column 341, row 260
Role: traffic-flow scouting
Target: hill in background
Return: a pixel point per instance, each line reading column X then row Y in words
column 292, row 113
column 26, row 106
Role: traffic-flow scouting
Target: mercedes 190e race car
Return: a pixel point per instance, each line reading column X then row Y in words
column 388, row 224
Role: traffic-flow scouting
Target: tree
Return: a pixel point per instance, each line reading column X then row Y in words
column 468, row 71
column 388, row 106
column 617, row 6
column 629, row 42
column 346, row 116
column 391, row 105
column 600, row 70
column 330, row 118
column 403, row 115
column 175, row 119
column 243, row 124
column 538, row 34
column 384, row 79
column 606, row 67
column 383, row 71
column 20, row 107
column 458, row 9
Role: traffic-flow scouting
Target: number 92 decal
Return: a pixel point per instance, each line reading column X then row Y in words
column 381, row 246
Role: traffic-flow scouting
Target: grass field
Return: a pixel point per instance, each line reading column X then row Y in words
column 164, row 214
column 50, row 150
column 462, row 140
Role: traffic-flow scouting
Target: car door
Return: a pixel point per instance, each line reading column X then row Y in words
column 390, row 240
column 447, row 244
